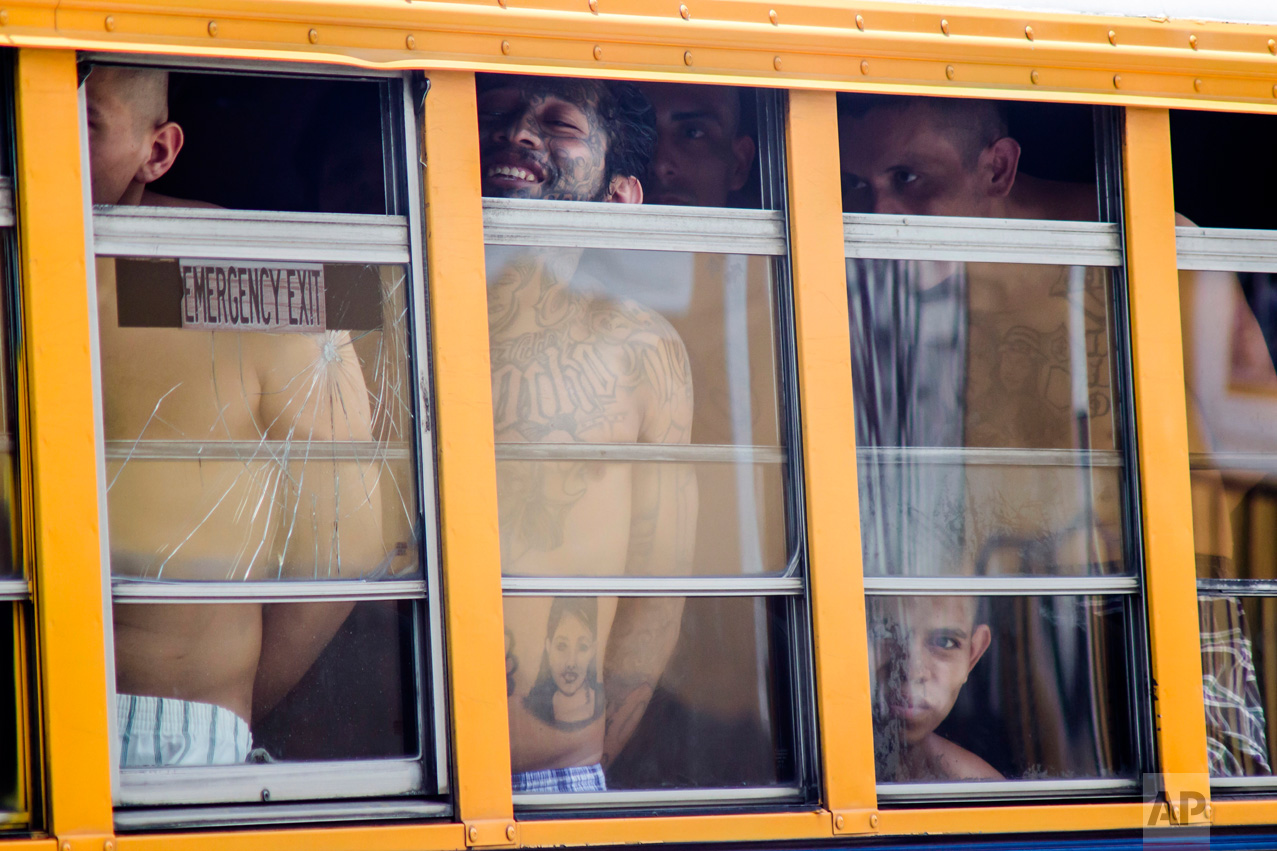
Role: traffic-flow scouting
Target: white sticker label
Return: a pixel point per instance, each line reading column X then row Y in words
column 260, row 297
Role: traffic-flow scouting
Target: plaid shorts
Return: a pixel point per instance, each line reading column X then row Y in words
column 578, row 778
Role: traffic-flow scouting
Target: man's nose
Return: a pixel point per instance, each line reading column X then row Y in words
column 886, row 203
column 915, row 667
column 520, row 129
column 664, row 161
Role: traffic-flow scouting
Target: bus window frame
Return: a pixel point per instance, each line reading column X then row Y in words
column 145, row 797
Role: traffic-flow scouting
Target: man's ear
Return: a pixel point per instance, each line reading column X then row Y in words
column 999, row 163
column 625, row 190
column 980, row 640
column 166, row 142
column 743, row 152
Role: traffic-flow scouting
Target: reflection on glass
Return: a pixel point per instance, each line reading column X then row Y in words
column 241, row 664
column 985, row 418
column 257, row 420
column 693, row 694
column 927, row 156
column 10, row 562
column 992, row 688
column 594, row 357
column 1237, row 733
column 1206, row 190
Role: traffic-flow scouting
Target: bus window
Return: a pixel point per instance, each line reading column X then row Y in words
column 264, row 478
column 1000, row 688
column 991, row 456
column 639, row 400
column 1228, row 288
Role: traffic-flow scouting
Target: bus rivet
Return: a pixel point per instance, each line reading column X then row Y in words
column 212, row 29
column 860, row 22
column 1192, row 41
column 873, row 820
column 1112, row 36
column 1117, row 81
column 473, row 833
column 598, row 52
column 4, row 17
column 687, row 57
column 1272, row 46
column 685, row 12
column 110, row 23
column 1275, row 91
column 265, row 794
column 1197, row 84
column 66, row 846
column 505, row 48
column 776, row 63
column 313, row 35
column 864, row 66
column 501, row 3
column 109, row 845
column 772, row 16
column 594, row 6
column 1208, row 812
column 839, row 822
column 1028, row 33
column 1034, row 77
column 944, row 26
column 509, row 832
column 950, row 71
column 410, row 42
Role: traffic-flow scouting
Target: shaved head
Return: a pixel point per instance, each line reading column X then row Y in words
column 131, row 140
column 145, row 90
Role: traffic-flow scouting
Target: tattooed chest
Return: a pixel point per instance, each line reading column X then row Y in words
column 549, row 386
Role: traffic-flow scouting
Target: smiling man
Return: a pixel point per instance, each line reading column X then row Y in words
column 571, row 366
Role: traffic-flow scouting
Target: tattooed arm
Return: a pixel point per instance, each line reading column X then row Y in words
column 662, row 537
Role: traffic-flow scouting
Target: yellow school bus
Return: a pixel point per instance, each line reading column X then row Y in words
column 450, row 424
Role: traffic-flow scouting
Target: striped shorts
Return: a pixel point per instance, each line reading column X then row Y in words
column 578, row 778
column 156, row 731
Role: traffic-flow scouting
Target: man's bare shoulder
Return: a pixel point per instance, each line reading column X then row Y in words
column 624, row 318
column 955, row 762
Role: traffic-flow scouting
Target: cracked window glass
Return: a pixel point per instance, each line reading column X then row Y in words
column 281, row 452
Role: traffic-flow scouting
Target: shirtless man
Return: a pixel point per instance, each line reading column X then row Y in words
column 568, row 367
column 191, row 677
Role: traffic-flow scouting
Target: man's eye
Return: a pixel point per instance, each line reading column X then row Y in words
column 904, row 178
column 851, row 183
column 946, row 642
column 694, row 133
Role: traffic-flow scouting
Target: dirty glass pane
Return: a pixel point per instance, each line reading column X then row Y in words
column 257, row 420
column 1001, row 688
column 248, row 142
column 926, row 156
column 288, row 681
column 621, row 381
column 686, row 145
column 985, row 418
column 711, row 672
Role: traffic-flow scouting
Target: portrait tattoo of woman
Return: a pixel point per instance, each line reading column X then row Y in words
column 566, row 693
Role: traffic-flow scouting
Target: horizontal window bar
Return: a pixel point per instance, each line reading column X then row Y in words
column 247, row 815
column 255, row 450
column 1226, row 249
column 129, row 590
column 14, row 589
column 979, row 790
column 990, row 456
column 1237, row 587
column 249, row 235
column 225, row 784
column 578, row 224
column 656, row 452
column 650, row 586
column 1000, row 586
column 1052, row 243
column 655, row 797
column 7, row 217
column 1257, row 462
column 1240, row 783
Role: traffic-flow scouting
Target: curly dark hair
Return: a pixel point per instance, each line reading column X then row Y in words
column 625, row 112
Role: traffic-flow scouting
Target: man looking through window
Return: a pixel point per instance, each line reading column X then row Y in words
column 569, row 367
column 703, row 153
column 190, row 678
